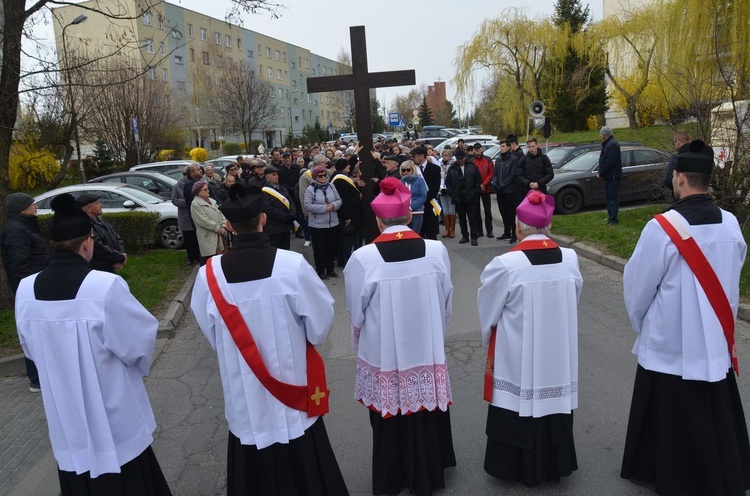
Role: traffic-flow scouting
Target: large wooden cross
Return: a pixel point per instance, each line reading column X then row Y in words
column 361, row 81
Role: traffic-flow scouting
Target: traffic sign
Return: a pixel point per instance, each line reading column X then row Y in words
column 393, row 118
column 401, row 123
column 415, row 112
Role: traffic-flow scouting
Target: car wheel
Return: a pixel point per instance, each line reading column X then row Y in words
column 568, row 201
column 169, row 235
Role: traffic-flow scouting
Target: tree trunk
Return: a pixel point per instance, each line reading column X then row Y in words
column 631, row 112
column 64, row 169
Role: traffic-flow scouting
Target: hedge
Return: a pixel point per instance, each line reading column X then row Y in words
column 137, row 229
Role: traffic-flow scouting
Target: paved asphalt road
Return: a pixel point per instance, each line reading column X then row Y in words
column 185, row 391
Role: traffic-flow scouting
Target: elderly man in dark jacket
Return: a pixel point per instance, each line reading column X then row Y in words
column 279, row 208
column 610, row 170
column 534, row 170
column 109, row 248
column 182, row 195
column 463, row 182
column 506, row 187
column 24, row 252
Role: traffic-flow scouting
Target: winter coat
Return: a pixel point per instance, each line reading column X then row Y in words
column 418, row 188
column 351, row 201
column 279, row 217
column 109, row 248
column 463, row 188
column 208, row 221
column 484, row 164
column 316, row 201
column 610, row 161
column 534, row 169
column 184, row 222
column 504, row 178
column 22, row 247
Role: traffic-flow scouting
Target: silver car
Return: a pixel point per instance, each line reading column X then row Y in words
column 125, row 198
column 576, row 184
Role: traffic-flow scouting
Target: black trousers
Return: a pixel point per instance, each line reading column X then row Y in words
column 346, row 246
column 470, row 210
column 190, row 239
column 281, row 241
column 325, row 247
column 487, row 205
column 507, row 204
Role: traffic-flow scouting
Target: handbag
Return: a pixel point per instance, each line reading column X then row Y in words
column 219, row 249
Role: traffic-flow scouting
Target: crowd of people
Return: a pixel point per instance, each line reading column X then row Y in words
column 93, row 341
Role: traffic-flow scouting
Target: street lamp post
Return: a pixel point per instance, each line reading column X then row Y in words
column 74, row 116
column 291, row 117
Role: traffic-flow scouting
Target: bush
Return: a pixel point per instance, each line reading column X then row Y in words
column 232, row 149
column 137, row 229
column 30, row 167
column 199, row 154
column 164, row 155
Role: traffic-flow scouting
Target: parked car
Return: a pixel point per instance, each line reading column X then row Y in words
column 164, row 166
column 562, row 153
column 125, row 198
column 220, row 163
column 151, row 181
column 469, row 139
column 434, row 135
column 175, row 174
column 576, row 184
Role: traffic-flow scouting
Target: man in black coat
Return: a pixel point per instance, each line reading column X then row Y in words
column 109, row 248
column 24, row 252
column 350, row 212
column 463, row 182
column 504, row 182
column 681, row 145
column 431, row 175
column 534, row 170
column 610, row 170
column 280, row 210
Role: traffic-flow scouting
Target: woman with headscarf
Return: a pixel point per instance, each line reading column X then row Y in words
column 210, row 224
column 322, row 201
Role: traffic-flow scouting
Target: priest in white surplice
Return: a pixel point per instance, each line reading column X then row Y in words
column 92, row 342
column 686, row 432
column 398, row 293
column 263, row 310
column 528, row 312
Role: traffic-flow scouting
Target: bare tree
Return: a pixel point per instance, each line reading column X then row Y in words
column 244, row 101
column 345, row 59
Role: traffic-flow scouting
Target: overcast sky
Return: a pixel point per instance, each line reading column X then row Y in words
column 401, row 34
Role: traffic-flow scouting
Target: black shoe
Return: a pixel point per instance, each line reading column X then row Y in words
column 192, row 262
column 463, row 240
column 332, row 273
column 513, row 240
column 300, row 235
column 474, row 242
column 490, row 235
column 613, row 222
column 323, row 275
column 480, row 235
column 504, row 236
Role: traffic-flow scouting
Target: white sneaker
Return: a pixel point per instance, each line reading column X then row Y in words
column 35, row 389
column 307, row 243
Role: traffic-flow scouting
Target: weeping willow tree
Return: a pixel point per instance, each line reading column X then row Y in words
column 521, row 60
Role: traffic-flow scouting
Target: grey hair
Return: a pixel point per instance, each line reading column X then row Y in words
column 395, row 221
column 319, row 159
column 527, row 229
column 606, row 131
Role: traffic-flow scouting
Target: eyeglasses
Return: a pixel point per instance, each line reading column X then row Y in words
column 232, row 168
column 322, row 175
column 405, row 170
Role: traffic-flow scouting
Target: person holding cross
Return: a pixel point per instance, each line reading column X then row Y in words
column 264, row 320
column 402, row 377
column 687, row 432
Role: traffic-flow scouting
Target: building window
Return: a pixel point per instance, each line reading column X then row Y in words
column 228, row 40
column 151, row 73
column 206, row 60
column 293, row 65
column 204, row 34
column 313, row 72
column 161, row 48
column 280, row 92
column 286, row 76
column 273, row 93
column 208, row 81
column 149, row 46
column 181, row 85
column 192, row 55
column 285, row 57
column 178, row 59
column 259, row 52
column 278, row 55
column 217, row 38
column 268, row 52
column 167, row 101
column 190, row 30
column 250, row 54
column 270, row 72
column 177, row 35
column 164, row 75
column 307, row 63
column 230, row 63
column 159, row 21
column 294, row 83
column 147, row 18
column 260, row 71
column 315, row 102
column 219, row 61
column 239, row 43
column 279, row 75
column 309, row 98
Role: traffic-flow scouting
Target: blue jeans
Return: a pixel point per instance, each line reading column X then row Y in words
column 612, row 190
column 31, row 372
column 416, row 222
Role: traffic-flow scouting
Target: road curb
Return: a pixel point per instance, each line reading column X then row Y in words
column 618, row 264
column 15, row 364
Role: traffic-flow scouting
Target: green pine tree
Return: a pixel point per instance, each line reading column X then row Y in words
column 425, row 114
column 378, row 123
column 104, row 158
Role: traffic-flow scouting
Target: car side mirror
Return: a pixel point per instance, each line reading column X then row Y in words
column 129, row 204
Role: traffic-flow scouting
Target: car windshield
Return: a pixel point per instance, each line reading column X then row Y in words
column 582, row 163
column 556, row 153
column 142, row 194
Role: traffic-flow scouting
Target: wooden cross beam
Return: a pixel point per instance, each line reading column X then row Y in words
column 361, row 80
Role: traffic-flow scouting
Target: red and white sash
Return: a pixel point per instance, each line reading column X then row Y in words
column 312, row 398
column 705, row 274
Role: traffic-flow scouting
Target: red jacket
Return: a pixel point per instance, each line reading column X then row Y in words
column 486, row 169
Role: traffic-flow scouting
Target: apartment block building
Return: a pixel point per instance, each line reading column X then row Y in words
column 190, row 52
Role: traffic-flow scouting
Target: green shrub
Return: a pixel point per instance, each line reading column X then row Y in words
column 232, row 149
column 137, row 229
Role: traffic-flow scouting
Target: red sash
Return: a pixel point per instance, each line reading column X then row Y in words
column 396, row 236
column 312, row 398
column 489, row 368
column 708, row 280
